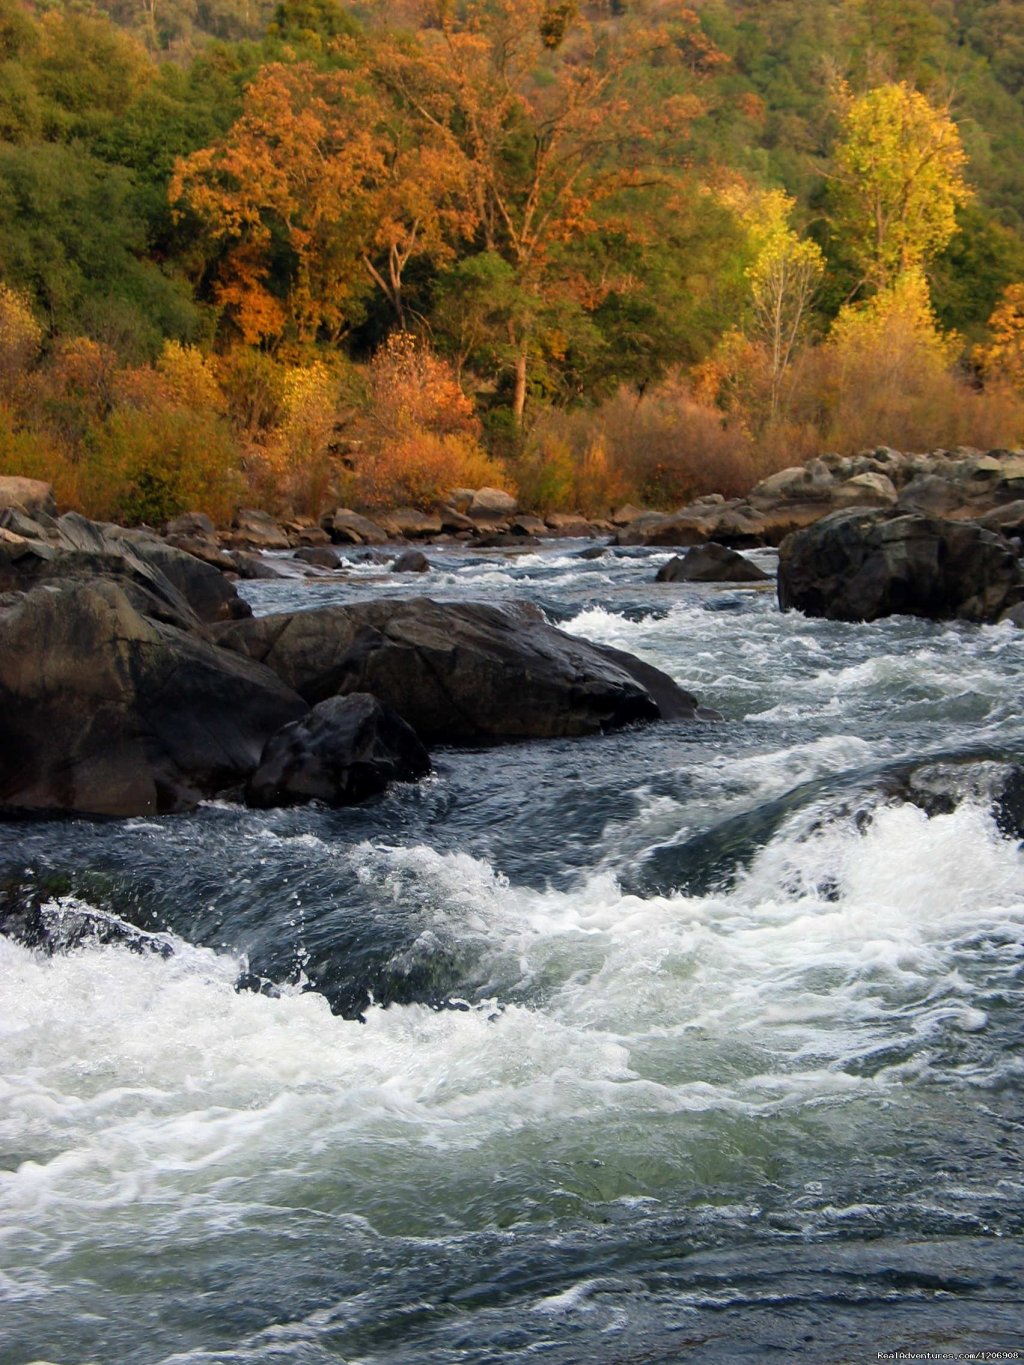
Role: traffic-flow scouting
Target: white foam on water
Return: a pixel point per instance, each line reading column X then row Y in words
column 784, row 668
column 133, row 1077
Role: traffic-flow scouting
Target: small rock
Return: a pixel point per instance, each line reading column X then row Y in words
column 319, row 556
column 710, row 563
column 411, row 561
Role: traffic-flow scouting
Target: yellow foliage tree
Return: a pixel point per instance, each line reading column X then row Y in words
column 891, row 365
column 20, row 337
column 899, row 179
column 785, row 274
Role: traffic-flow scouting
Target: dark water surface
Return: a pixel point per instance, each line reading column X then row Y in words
column 689, row 1042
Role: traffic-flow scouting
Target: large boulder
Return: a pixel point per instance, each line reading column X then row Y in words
column 860, row 565
column 570, row 526
column 868, row 489
column 934, row 496
column 161, row 580
column 460, row 672
column 28, row 495
column 412, row 524
column 681, row 529
column 201, row 582
column 733, row 523
column 811, row 482
column 344, row 750
column 1007, row 520
column 492, row 504
column 253, row 529
column 106, row 712
column 196, row 525
column 346, row 527
column 710, row 563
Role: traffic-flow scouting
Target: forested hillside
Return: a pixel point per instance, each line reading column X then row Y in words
column 635, row 249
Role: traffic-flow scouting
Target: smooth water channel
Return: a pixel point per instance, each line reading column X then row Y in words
column 690, row 1042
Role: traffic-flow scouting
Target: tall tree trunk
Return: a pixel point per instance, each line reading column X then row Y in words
column 519, row 398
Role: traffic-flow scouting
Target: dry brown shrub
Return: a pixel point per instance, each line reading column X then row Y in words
column 660, row 449
column 419, row 435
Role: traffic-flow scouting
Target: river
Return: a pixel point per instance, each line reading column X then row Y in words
column 695, row 1041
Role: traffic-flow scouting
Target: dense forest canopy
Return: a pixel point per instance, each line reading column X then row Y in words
column 621, row 248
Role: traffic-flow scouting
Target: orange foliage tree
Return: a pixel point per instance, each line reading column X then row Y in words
column 322, row 186
column 544, row 101
column 420, row 436
column 283, row 192
column 1002, row 357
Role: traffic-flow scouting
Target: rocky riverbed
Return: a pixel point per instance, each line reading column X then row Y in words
column 695, row 1039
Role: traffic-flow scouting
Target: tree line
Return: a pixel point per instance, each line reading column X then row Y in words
column 622, row 249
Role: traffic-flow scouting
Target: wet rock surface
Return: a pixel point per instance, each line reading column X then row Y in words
column 863, row 565
column 345, row 750
column 461, row 672
column 108, row 712
column 711, row 563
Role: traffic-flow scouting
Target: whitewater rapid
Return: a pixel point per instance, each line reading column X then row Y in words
column 519, row 1052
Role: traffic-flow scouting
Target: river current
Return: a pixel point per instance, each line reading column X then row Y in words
column 694, row 1041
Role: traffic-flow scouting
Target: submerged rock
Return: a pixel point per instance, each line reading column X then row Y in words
column 106, row 712
column 461, row 672
column 861, row 565
column 344, row 750
column 710, row 563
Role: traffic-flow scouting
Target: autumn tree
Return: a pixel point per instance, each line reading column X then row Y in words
column 899, row 179
column 547, row 103
column 282, row 193
column 784, row 274
column 321, row 189
column 1001, row 358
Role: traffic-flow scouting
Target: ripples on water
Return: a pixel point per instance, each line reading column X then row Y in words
column 688, row 1042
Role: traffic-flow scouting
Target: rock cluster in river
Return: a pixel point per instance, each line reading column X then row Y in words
column 126, row 689
column 960, row 485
